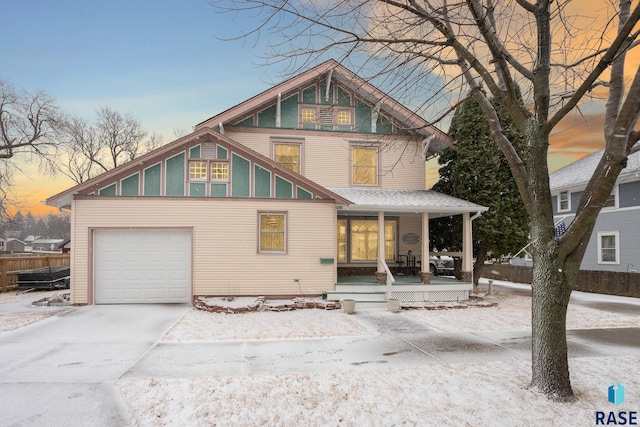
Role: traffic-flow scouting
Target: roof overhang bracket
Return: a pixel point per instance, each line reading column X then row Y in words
column 326, row 92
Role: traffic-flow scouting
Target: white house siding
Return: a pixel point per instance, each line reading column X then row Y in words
column 225, row 235
column 401, row 164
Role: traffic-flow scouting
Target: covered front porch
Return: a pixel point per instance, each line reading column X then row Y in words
column 403, row 216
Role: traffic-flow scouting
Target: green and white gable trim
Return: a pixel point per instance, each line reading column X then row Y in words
column 205, row 165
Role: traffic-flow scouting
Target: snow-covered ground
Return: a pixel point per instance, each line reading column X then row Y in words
column 486, row 394
column 461, row 394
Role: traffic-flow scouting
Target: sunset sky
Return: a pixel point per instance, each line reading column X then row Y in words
column 159, row 61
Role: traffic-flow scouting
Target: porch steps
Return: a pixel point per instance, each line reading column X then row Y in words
column 373, row 295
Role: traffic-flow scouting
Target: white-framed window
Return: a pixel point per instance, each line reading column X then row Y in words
column 564, row 201
column 364, row 165
column 608, row 247
column 272, row 232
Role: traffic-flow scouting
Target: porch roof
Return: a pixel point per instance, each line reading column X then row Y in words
column 367, row 200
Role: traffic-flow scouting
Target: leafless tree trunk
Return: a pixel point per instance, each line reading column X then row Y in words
column 431, row 53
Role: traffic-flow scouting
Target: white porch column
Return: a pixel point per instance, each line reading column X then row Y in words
column 381, row 248
column 425, row 273
column 467, row 247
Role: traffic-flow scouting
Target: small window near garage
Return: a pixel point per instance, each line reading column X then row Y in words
column 563, row 201
column 609, row 247
column 272, row 234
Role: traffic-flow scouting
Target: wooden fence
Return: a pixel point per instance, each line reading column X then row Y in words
column 602, row 282
column 11, row 265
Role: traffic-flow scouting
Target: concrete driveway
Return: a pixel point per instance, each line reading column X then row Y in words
column 60, row 371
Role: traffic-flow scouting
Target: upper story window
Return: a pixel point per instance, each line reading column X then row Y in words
column 327, row 117
column 309, row 115
column 288, row 155
column 344, row 117
column 609, row 247
column 364, row 165
column 612, row 200
column 564, row 201
column 197, row 170
column 219, row 170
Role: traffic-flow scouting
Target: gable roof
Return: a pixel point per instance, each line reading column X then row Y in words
column 64, row 198
column 578, row 173
column 348, row 79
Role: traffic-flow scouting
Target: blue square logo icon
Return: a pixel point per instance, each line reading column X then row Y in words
column 616, row 394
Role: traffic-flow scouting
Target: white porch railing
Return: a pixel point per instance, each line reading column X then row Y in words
column 390, row 279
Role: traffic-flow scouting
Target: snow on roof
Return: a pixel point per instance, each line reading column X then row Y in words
column 422, row 200
column 579, row 172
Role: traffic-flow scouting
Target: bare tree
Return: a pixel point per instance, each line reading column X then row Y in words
column 29, row 123
column 95, row 148
column 426, row 52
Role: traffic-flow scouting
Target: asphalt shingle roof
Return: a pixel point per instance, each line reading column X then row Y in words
column 578, row 173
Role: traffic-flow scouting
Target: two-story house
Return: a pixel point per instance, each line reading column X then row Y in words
column 614, row 243
column 318, row 177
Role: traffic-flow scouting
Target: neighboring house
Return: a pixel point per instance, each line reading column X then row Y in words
column 15, row 246
column 29, row 243
column 615, row 241
column 276, row 196
column 47, row 245
column 3, row 244
column 65, row 246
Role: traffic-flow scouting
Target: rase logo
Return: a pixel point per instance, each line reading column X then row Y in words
column 616, row 396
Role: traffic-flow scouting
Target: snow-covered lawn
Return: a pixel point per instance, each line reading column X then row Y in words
column 471, row 394
column 487, row 394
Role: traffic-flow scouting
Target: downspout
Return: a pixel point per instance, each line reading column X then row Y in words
column 221, row 127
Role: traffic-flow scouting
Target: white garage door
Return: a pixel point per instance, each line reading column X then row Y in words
column 142, row 266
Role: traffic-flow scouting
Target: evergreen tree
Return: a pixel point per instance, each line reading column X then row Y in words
column 477, row 171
